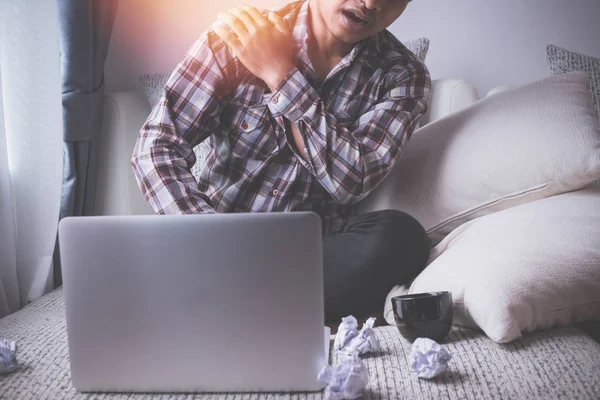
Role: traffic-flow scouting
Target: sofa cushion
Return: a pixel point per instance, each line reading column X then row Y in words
column 554, row 364
column 153, row 85
column 529, row 267
column 419, row 47
column 563, row 61
column 511, row 148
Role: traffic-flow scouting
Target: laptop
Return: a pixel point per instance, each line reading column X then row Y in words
column 194, row 303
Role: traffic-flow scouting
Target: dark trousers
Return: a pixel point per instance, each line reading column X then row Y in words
column 368, row 255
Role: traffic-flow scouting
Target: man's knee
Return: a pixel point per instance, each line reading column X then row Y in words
column 402, row 242
column 400, row 225
column 375, row 252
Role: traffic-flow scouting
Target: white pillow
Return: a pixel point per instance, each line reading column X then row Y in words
column 519, row 145
column 419, row 47
column 529, row 267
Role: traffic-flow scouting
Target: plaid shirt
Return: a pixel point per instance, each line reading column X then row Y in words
column 354, row 125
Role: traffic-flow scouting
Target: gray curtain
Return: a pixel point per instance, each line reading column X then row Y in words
column 85, row 30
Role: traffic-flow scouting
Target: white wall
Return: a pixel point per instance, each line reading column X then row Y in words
column 153, row 35
column 488, row 43
column 491, row 43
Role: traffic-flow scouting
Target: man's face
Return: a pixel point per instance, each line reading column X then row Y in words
column 353, row 20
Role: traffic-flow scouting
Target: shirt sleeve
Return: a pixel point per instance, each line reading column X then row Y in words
column 186, row 114
column 350, row 160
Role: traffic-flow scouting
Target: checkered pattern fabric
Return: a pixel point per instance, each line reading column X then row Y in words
column 354, row 126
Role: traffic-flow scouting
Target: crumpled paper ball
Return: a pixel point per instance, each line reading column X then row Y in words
column 347, row 331
column 428, row 358
column 366, row 341
column 346, row 380
column 8, row 356
column 349, row 339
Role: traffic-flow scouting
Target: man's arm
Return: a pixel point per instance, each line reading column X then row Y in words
column 350, row 161
column 186, row 114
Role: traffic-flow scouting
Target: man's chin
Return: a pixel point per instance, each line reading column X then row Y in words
column 349, row 37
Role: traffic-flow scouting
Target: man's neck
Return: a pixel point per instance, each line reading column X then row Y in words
column 325, row 50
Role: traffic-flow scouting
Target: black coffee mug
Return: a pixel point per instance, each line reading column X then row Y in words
column 423, row 315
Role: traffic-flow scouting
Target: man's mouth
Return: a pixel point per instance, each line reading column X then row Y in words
column 357, row 17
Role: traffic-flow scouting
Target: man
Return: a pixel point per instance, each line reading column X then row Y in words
column 305, row 108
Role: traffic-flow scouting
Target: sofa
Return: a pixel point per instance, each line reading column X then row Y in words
column 556, row 363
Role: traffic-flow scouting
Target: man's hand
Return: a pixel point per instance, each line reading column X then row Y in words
column 262, row 44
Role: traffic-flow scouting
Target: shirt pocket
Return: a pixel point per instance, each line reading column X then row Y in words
column 253, row 136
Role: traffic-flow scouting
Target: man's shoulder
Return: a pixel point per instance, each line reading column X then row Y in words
column 289, row 10
column 223, row 55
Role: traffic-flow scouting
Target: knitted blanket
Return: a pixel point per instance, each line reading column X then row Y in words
column 561, row 363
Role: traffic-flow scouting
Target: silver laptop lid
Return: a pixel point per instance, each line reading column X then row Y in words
column 194, row 303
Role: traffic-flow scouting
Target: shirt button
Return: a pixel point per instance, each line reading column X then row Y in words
column 244, row 125
column 275, row 192
column 275, row 99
